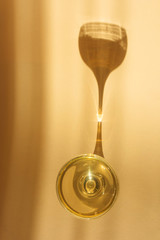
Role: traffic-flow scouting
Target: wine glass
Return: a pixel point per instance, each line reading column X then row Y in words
column 87, row 185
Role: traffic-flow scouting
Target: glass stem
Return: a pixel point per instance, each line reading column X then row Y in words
column 98, row 148
column 100, row 93
column 101, row 79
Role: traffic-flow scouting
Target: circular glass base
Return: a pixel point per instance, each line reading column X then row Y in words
column 87, row 186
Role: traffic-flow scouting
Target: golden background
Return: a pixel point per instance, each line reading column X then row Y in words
column 48, row 102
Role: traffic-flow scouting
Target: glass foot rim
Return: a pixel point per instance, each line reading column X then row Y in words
column 60, row 195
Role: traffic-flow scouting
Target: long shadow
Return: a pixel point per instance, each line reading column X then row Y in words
column 102, row 56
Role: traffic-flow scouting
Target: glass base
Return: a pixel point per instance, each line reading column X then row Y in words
column 87, row 186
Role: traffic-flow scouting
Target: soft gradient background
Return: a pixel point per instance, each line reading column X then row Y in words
column 48, row 100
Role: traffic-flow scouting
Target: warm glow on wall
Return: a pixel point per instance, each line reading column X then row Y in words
column 49, row 100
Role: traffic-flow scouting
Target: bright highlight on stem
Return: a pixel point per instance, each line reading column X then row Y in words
column 99, row 117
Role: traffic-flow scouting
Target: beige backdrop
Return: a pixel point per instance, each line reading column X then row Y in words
column 48, row 116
